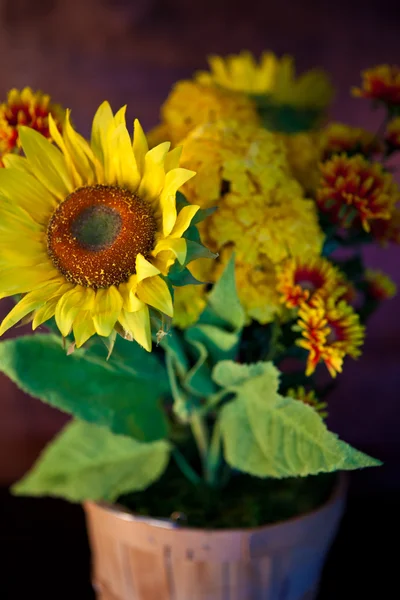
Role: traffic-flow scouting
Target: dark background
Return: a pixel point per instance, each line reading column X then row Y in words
column 85, row 51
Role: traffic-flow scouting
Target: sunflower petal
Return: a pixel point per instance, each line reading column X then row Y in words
column 100, row 127
column 58, row 139
column 20, row 281
column 70, row 305
column 80, row 152
column 173, row 181
column 13, row 161
column 140, row 145
column 144, row 268
column 153, row 177
column 137, row 324
column 184, row 220
column 46, row 161
column 106, row 310
column 83, row 328
column 128, row 172
column 173, row 158
column 131, row 302
column 176, row 245
column 154, row 291
column 25, row 191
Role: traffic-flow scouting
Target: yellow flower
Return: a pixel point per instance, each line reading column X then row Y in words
column 89, row 230
column 308, row 397
column 304, row 153
column 299, row 279
column 189, row 303
column 380, row 285
column 380, row 83
column 338, row 138
column 25, row 107
column 355, row 191
column 271, row 76
column 191, row 104
column 330, row 332
column 392, row 134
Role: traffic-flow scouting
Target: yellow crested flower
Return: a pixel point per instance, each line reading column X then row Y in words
column 308, row 397
column 90, row 230
column 380, row 83
column 25, row 107
column 380, row 285
column 191, row 104
column 189, row 303
column 299, row 279
column 330, row 331
column 355, row 191
column 392, row 134
column 271, row 76
column 304, row 153
column 338, row 138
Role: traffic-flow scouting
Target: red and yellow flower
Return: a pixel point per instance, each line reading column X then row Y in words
column 380, row 83
column 330, row 331
column 387, row 231
column 380, row 285
column 354, row 190
column 392, row 134
column 338, row 138
column 25, row 107
column 298, row 279
column 308, row 397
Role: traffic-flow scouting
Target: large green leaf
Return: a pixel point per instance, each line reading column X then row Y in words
column 87, row 462
column 220, row 344
column 267, row 435
column 86, row 386
column 233, row 375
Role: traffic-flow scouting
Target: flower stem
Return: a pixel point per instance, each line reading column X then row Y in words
column 200, row 434
column 185, row 467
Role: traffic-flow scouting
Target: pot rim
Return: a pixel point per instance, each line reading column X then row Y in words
column 338, row 493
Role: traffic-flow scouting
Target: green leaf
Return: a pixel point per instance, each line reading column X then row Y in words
column 198, row 380
column 195, row 251
column 86, row 386
column 267, row 435
column 224, row 301
column 87, row 462
column 182, row 277
column 233, row 375
column 220, row 344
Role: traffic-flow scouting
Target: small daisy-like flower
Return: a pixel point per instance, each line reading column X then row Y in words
column 387, row 231
column 392, row 134
column 330, row 331
column 338, row 138
column 309, row 397
column 89, row 231
column 380, row 285
column 353, row 190
column 298, row 279
column 28, row 108
column 380, row 83
column 272, row 76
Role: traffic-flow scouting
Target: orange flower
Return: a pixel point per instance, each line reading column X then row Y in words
column 330, row 332
column 380, row 285
column 353, row 190
column 28, row 108
column 338, row 138
column 392, row 134
column 308, row 397
column 298, row 279
column 380, row 83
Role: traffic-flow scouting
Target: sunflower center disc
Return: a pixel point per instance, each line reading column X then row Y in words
column 95, row 235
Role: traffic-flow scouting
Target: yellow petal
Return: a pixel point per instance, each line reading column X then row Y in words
column 144, row 268
column 154, row 291
column 131, row 302
column 106, row 310
column 19, row 281
column 58, row 139
column 46, row 161
column 83, row 328
column 137, row 324
column 173, row 158
column 70, row 305
column 30, row 302
column 17, row 255
column 16, row 219
column 24, row 190
column 176, row 245
column 184, row 220
column 128, row 173
column 46, row 312
column 100, row 127
column 13, row 161
column 140, row 145
column 153, row 177
column 80, row 153
column 164, row 260
column 173, row 181
column 119, row 118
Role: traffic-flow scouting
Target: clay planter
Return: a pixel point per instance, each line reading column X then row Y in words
column 136, row 558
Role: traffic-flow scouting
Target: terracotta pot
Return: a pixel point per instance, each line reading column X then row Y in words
column 136, row 558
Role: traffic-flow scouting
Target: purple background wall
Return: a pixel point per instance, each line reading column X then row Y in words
column 132, row 52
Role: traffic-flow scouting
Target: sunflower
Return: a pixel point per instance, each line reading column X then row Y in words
column 25, row 107
column 271, row 76
column 355, row 191
column 330, row 331
column 308, row 397
column 380, row 83
column 338, row 138
column 89, row 231
column 380, row 285
column 298, row 279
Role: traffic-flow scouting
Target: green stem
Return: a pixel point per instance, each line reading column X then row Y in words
column 214, row 455
column 200, row 434
column 186, row 469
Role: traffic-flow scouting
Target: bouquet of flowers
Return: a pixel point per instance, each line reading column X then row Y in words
column 197, row 290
